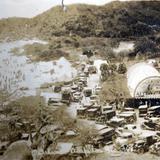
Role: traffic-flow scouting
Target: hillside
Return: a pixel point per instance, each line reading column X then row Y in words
column 116, row 19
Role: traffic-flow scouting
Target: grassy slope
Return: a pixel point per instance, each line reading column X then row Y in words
column 113, row 86
column 117, row 19
column 15, row 28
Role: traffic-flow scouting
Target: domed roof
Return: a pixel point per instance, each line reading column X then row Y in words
column 138, row 73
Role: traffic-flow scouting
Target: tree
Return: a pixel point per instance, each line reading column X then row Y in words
column 122, row 69
column 108, row 53
column 113, row 68
column 9, row 90
column 29, row 115
column 87, row 134
column 104, row 68
column 88, row 53
column 6, row 96
column 145, row 45
column 107, row 70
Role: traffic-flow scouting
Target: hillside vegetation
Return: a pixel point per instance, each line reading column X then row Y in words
column 116, row 19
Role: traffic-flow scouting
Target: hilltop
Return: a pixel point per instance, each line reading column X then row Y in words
column 113, row 20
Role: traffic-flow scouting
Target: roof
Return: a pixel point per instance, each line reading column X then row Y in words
column 66, row 89
column 87, row 89
column 63, row 148
column 143, row 106
column 154, row 119
column 129, row 112
column 129, row 125
column 92, row 109
column 154, row 107
column 126, row 134
column 107, row 107
column 116, row 119
column 140, row 141
column 139, row 72
column 108, row 111
column 100, row 126
column 124, row 114
column 146, row 134
column 74, row 86
column 81, row 108
column 48, row 128
column 105, row 130
column 157, row 143
column 129, row 109
column 87, row 104
column 70, row 133
column 93, row 96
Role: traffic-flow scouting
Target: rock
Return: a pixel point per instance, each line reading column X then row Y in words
column 19, row 150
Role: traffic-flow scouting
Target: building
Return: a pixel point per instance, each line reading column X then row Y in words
column 143, row 81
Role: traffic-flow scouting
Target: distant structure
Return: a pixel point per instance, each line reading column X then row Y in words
column 144, row 81
column 63, row 6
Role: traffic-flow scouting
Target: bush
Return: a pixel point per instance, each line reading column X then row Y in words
column 145, row 45
column 122, row 69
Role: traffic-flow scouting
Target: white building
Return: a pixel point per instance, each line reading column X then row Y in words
column 143, row 81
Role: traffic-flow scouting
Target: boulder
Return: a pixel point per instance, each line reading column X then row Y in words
column 18, row 150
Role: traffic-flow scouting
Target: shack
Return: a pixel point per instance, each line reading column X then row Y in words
column 106, row 135
column 109, row 114
column 81, row 112
column 87, row 92
column 130, row 117
column 116, row 122
column 66, row 96
column 92, row 113
column 87, row 105
column 143, row 110
column 54, row 102
column 154, row 111
column 106, row 109
column 148, row 137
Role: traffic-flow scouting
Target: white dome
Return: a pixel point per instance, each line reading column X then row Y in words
column 139, row 72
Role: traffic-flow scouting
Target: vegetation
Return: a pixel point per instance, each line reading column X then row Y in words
column 29, row 115
column 122, row 69
column 44, row 52
column 82, row 27
column 111, row 70
column 68, row 47
column 107, row 70
column 117, row 19
column 114, row 88
column 86, row 26
column 22, row 117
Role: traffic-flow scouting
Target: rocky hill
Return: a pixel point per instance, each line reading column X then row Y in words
column 116, row 19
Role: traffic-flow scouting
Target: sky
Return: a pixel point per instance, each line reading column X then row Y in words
column 30, row 8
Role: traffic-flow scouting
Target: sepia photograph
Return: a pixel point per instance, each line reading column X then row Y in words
column 79, row 80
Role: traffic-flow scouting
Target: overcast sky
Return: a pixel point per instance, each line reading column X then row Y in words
column 30, row 8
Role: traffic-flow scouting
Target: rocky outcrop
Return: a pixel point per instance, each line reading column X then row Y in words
column 18, row 151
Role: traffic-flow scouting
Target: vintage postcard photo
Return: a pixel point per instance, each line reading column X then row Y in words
column 79, row 80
